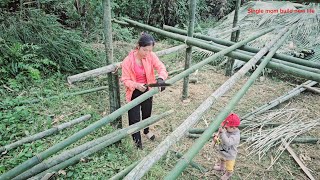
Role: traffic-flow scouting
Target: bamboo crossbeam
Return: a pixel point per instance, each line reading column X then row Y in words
column 179, row 132
column 111, row 117
column 112, row 67
column 73, row 156
column 280, row 56
column 214, row 125
column 44, row 133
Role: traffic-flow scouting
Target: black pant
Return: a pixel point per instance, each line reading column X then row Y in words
column 134, row 114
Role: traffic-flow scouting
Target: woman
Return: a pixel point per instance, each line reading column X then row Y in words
column 138, row 70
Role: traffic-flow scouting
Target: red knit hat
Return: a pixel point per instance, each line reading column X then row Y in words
column 232, row 120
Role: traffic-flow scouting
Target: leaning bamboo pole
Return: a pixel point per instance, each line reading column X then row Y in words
column 192, row 12
column 113, row 67
column 240, row 56
column 88, row 148
column 294, row 92
column 214, row 125
column 178, row 133
column 44, row 133
column 98, row 124
column 282, row 57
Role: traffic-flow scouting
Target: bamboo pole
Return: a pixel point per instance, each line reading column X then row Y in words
column 192, row 163
column 124, row 172
column 300, row 163
column 241, row 56
column 113, row 67
column 177, row 134
column 192, row 12
column 311, row 89
column 302, row 140
column 214, row 125
column 282, row 57
column 234, row 37
column 113, row 78
column 294, row 92
column 17, row 103
column 98, row 124
column 105, row 140
column 44, row 133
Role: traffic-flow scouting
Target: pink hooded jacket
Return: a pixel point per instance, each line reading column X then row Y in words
column 150, row 62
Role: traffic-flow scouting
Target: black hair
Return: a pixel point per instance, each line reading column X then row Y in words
column 146, row 40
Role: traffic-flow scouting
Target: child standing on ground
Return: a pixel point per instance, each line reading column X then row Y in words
column 229, row 137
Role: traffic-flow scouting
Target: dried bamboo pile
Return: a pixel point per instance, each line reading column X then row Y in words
column 261, row 141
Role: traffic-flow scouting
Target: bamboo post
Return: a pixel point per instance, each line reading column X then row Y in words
column 214, row 125
column 282, row 57
column 177, row 134
column 241, row 56
column 112, row 138
column 107, row 139
column 300, row 163
column 234, row 37
column 294, row 92
column 44, row 133
column 113, row 67
column 98, row 124
column 113, row 78
column 192, row 12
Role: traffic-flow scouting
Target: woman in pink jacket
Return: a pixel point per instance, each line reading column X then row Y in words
column 137, row 70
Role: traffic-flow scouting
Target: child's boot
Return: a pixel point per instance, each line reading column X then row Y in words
column 220, row 166
column 226, row 175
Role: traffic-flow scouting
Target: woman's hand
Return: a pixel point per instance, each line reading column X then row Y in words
column 141, row 87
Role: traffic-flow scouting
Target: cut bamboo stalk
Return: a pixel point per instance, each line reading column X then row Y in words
column 301, row 140
column 113, row 67
column 124, row 172
column 311, row 89
column 214, row 125
column 237, row 55
column 302, row 166
column 175, row 71
column 192, row 12
column 44, row 133
column 17, row 103
column 282, row 57
column 192, row 163
column 147, row 162
column 74, row 155
column 294, row 92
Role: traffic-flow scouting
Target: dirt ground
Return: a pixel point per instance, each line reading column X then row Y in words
column 261, row 92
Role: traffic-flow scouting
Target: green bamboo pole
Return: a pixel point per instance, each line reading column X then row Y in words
column 237, row 55
column 234, row 37
column 294, row 92
column 104, row 142
column 301, row 140
column 147, row 162
column 124, row 172
column 57, row 147
column 192, row 163
column 192, row 12
column 282, row 57
column 214, row 125
column 17, row 103
column 44, row 133
column 113, row 78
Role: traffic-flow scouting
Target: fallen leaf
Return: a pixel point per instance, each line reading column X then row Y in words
column 63, row 172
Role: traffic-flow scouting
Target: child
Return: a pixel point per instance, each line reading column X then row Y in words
column 229, row 135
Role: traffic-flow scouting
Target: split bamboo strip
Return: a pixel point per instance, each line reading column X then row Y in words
column 282, row 57
column 112, row 67
column 240, row 56
column 57, row 147
column 164, row 146
column 187, row 64
column 107, row 139
column 214, row 125
column 279, row 100
column 44, row 133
